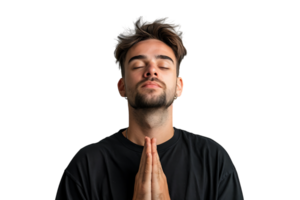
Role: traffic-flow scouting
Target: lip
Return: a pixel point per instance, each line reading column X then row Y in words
column 151, row 85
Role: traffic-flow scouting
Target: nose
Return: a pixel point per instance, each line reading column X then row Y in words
column 151, row 71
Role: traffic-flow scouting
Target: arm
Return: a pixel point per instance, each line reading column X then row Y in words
column 229, row 187
column 69, row 189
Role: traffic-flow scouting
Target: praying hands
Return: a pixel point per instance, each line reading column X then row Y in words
column 150, row 181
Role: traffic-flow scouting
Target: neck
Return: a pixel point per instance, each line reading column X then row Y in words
column 156, row 123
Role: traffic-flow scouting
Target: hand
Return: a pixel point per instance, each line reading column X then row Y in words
column 159, row 184
column 142, row 185
column 150, row 181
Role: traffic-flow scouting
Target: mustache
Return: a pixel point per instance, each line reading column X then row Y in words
column 152, row 79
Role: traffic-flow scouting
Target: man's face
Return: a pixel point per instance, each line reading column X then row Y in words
column 150, row 75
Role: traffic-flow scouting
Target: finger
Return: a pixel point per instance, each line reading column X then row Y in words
column 147, row 162
column 148, row 147
column 144, row 157
column 142, row 161
column 158, row 159
column 155, row 164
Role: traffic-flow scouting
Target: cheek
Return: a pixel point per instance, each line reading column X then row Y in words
column 170, row 93
column 131, row 83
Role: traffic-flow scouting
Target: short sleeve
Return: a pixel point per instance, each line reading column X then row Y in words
column 229, row 187
column 69, row 189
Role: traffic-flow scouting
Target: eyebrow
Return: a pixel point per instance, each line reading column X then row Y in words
column 140, row 57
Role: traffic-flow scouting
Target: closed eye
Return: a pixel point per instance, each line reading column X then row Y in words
column 141, row 67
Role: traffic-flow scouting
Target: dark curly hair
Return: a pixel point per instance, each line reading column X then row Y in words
column 141, row 28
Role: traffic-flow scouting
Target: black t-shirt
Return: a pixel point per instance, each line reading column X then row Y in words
column 196, row 167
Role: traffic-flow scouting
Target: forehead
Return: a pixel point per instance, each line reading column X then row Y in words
column 150, row 48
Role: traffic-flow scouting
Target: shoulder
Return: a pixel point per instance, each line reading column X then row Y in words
column 209, row 150
column 202, row 142
column 90, row 155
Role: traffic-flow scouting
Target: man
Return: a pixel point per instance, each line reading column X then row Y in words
column 151, row 159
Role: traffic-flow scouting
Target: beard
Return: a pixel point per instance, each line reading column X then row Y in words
column 142, row 102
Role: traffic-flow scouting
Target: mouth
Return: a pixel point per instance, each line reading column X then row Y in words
column 151, row 86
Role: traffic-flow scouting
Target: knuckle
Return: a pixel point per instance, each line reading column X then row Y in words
column 147, row 171
column 164, row 177
column 137, row 176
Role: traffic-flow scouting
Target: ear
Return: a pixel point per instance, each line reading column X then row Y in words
column 179, row 86
column 121, row 87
